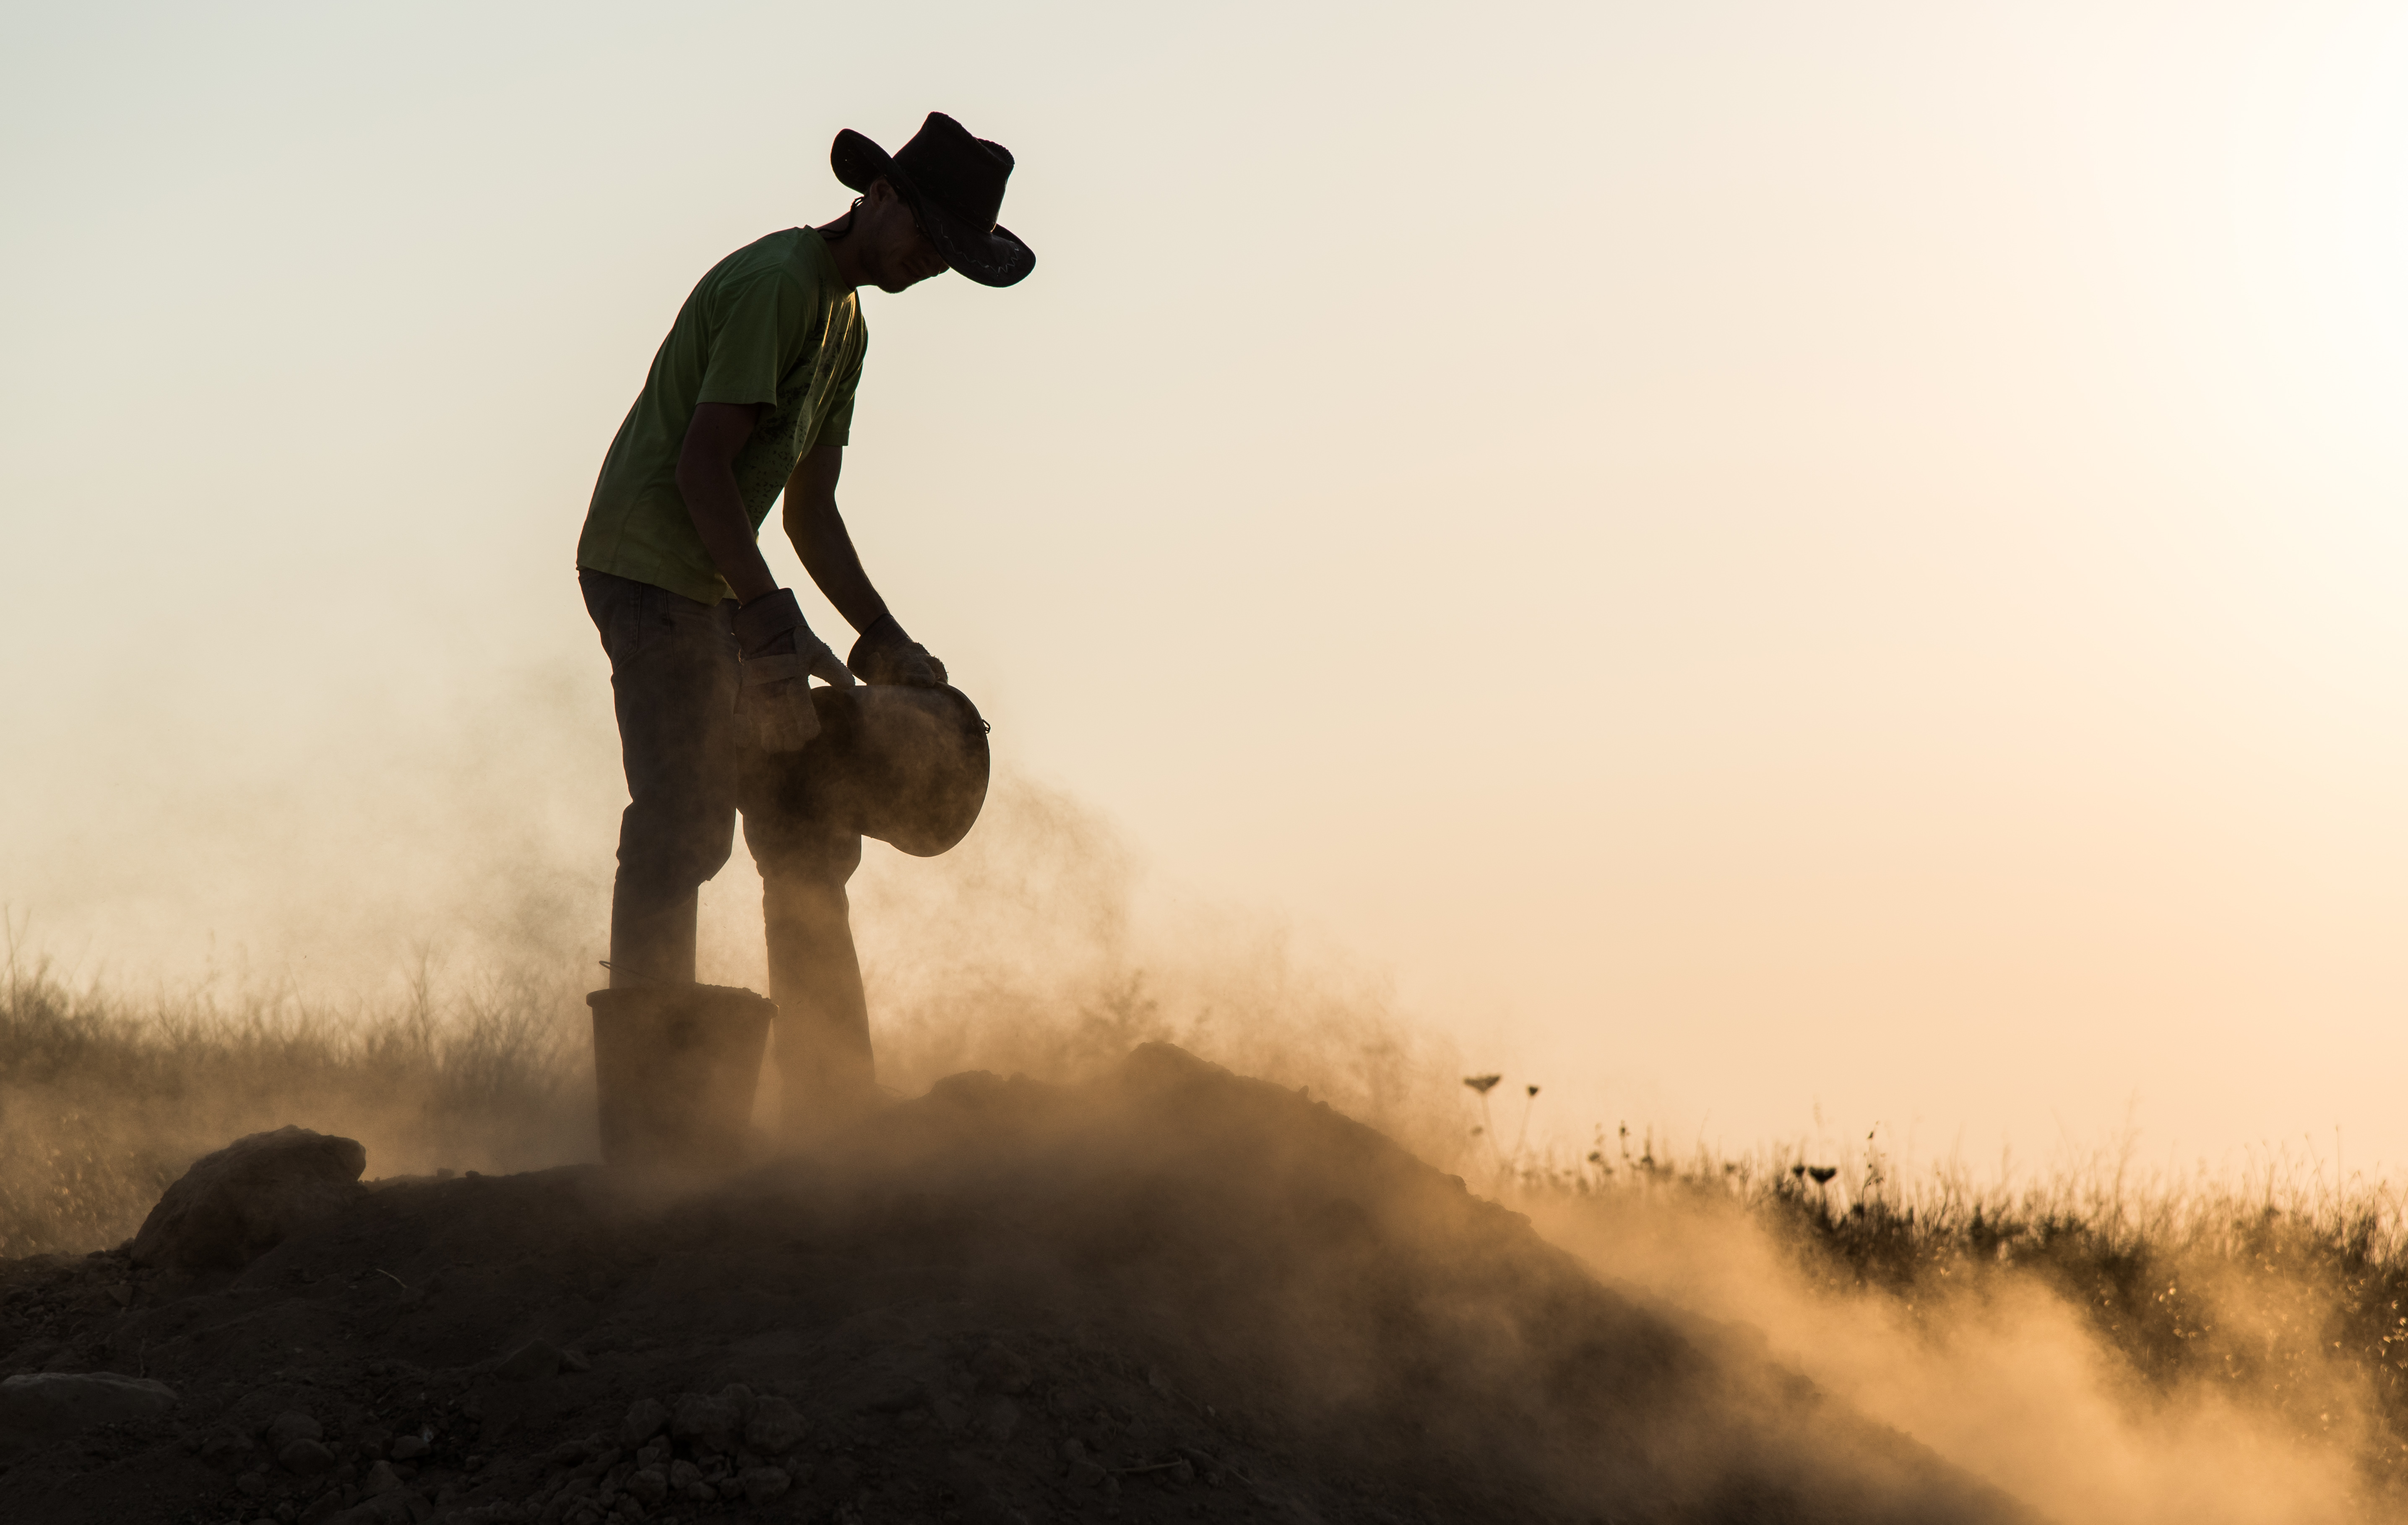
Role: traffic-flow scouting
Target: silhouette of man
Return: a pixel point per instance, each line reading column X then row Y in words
column 751, row 394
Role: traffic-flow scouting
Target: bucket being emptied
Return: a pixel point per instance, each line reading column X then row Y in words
column 674, row 1070
column 907, row 766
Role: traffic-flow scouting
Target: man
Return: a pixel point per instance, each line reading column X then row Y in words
column 751, row 394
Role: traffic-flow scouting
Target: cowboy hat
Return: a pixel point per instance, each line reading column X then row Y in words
column 954, row 184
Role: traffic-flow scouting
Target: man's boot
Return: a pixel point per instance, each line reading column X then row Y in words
column 675, row 1067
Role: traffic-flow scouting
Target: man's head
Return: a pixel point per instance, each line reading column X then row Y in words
column 950, row 186
column 880, row 242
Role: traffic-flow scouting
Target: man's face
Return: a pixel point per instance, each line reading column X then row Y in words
column 896, row 252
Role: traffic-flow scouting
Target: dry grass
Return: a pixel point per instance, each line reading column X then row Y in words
column 2283, row 1294
column 103, row 1100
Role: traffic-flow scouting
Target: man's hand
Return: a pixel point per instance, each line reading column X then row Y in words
column 884, row 654
column 780, row 656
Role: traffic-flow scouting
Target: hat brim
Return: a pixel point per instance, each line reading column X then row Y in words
column 990, row 257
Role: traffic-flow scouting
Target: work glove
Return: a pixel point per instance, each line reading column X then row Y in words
column 780, row 655
column 884, row 654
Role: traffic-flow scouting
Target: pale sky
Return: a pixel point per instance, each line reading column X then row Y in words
column 1751, row 556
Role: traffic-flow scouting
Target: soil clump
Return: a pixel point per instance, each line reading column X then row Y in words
column 1172, row 1293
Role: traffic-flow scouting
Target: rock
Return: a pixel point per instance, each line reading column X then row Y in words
column 776, row 1426
column 686, row 1482
column 395, row 1508
column 290, row 1426
column 381, row 1478
column 708, row 1424
column 999, row 1419
column 762, row 1484
column 408, row 1448
column 739, row 1397
column 218, row 1443
column 649, row 1486
column 949, row 1416
column 573, row 1359
column 646, row 1417
column 570, row 1495
column 251, row 1484
column 528, row 1362
column 305, row 1459
column 998, row 1370
column 241, row 1202
column 41, row 1406
column 1084, row 1470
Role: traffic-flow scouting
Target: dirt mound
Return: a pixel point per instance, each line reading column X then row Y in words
column 1172, row 1294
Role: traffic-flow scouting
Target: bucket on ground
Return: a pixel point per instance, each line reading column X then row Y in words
column 674, row 1071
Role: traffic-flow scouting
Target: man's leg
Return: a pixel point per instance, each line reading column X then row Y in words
column 673, row 680
column 825, row 1063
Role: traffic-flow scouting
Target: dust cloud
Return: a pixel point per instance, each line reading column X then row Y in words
column 1033, row 949
column 1028, row 949
column 2004, row 1376
column 1044, row 970
column 412, row 971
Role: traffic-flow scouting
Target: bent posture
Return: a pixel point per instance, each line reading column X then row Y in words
column 751, row 396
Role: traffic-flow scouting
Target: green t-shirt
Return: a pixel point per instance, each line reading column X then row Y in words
column 772, row 323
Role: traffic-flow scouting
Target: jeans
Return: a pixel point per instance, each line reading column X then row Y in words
column 690, row 772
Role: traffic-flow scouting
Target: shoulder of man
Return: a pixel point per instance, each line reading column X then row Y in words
column 796, row 254
column 771, row 270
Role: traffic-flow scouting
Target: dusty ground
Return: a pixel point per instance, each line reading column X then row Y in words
column 1174, row 1294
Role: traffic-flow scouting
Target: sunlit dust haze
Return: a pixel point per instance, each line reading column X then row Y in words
column 1773, row 569
column 2009, row 1383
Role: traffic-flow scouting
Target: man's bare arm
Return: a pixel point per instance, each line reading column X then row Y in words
column 706, row 479
column 817, row 529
